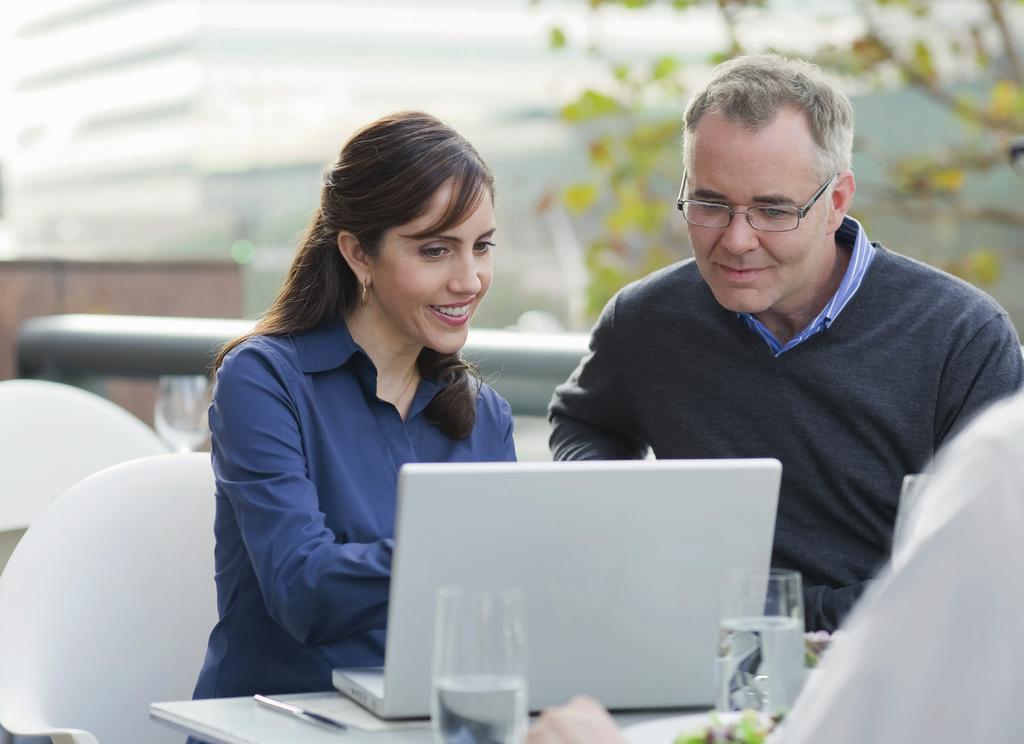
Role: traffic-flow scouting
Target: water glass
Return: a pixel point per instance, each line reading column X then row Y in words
column 179, row 415
column 479, row 675
column 760, row 664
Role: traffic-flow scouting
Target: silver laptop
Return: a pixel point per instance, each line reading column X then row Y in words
column 621, row 565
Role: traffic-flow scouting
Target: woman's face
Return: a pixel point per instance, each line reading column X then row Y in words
column 423, row 291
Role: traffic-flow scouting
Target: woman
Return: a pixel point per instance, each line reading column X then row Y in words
column 354, row 371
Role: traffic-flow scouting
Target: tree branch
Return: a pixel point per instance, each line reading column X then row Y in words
column 931, row 88
column 892, row 200
column 730, row 26
column 1013, row 57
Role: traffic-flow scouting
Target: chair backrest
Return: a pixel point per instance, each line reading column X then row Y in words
column 52, row 436
column 107, row 603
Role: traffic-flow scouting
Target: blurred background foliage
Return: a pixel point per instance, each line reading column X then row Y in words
column 931, row 186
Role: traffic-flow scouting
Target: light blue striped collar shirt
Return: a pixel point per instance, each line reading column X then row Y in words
column 849, row 234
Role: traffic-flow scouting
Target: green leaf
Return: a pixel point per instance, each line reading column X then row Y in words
column 948, row 180
column 605, row 278
column 981, row 267
column 556, row 38
column 590, row 105
column 656, row 257
column 579, row 197
column 868, row 52
column 965, row 106
column 1006, row 96
column 600, row 151
column 633, row 213
column 984, row 266
column 923, row 63
column 664, row 67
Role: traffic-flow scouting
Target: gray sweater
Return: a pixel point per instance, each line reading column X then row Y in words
column 913, row 356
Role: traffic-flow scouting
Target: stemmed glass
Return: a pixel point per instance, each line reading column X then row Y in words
column 179, row 415
column 479, row 667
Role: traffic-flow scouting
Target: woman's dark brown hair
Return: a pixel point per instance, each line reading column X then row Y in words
column 385, row 177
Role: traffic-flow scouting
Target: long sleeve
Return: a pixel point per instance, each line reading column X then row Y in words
column 825, row 606
column 590, row 413
column 314, row 585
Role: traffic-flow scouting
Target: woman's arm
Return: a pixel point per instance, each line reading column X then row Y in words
column 317, row 588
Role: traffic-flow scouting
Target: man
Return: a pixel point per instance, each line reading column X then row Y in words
column 789, row 334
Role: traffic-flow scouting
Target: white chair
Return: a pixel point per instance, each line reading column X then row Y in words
column 107, row 603
column 51, row 437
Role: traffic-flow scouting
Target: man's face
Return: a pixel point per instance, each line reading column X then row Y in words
column 783, row 278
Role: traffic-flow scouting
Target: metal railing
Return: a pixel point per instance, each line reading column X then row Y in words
column 77, row 349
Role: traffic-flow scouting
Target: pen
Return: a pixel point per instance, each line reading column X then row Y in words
column 306, row 715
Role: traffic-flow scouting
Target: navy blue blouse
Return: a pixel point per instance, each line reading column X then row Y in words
column 306, row 460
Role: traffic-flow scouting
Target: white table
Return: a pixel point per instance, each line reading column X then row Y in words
column 242, row 721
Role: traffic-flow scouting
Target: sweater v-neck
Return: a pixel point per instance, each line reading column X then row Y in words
column 847, row 318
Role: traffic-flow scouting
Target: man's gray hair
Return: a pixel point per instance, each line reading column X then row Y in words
column 751, row 90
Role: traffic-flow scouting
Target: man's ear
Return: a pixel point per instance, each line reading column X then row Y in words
column 356, row 258
column 842, row 198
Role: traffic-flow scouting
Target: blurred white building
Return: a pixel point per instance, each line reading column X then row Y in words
column 198, row 128
column 142, row 125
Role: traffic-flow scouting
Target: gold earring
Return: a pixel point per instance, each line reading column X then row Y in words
column 364, row 299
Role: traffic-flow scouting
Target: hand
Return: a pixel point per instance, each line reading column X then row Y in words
column 582, row 721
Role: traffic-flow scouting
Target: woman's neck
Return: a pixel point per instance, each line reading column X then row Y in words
column 397, row 371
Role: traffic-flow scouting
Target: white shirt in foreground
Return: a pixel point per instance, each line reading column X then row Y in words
column 934, row 651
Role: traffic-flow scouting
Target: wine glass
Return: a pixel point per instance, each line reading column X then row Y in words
column 479, row 667
column 180, row 412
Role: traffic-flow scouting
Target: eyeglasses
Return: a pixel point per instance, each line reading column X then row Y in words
column 779, row 218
